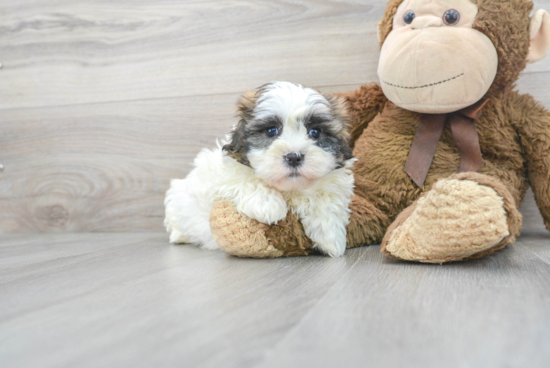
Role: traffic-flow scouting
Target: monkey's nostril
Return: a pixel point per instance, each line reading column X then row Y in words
column 293, row 159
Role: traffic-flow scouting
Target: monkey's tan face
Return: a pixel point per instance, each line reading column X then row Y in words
column 433, row 61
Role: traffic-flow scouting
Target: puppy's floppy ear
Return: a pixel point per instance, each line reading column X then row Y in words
column 245, row 105
column 238, row 148
column 339, row 109
column 341, row 117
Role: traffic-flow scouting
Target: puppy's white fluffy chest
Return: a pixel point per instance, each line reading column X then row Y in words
column 323, row 209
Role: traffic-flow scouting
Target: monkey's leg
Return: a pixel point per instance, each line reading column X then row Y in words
column 241, row 236
column 367, row 224
column 467, row 215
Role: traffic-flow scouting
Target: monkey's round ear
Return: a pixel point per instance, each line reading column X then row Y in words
column 539, row 32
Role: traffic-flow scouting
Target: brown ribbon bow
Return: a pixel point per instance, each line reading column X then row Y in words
column 429, row 132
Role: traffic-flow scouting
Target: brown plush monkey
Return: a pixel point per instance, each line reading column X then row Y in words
column 446, row 148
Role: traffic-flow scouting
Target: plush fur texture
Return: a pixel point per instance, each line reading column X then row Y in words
column 458, row 217
column 288, row 152
column 514, row 135
column 242, row 236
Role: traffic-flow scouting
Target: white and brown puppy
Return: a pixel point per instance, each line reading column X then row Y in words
column 289, row 151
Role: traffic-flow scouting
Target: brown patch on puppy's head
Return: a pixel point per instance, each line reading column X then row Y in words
column 339, row 121
column 339, row 108
column 237, row 148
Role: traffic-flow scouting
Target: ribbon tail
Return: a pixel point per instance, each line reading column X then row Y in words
column 467, row 140
column 424, row 146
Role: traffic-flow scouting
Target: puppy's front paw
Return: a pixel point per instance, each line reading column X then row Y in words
column 333, row 247
column 268, row 209
column 329, row 237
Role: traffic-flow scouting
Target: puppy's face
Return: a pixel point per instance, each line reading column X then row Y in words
column 290, row 135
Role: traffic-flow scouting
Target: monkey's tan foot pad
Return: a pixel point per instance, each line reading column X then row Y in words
column 467, row 215
column 238, row 234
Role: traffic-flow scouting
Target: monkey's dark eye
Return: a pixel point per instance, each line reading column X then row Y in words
column 272, row 132
column 409, row 17
column 314, row 133
column 451, row 17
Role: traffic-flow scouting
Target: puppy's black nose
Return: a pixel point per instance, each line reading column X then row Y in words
column 293, row 159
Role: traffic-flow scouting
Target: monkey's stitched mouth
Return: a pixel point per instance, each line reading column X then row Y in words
column 426, row 85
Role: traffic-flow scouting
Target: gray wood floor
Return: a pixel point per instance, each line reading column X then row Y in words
column 121, row 300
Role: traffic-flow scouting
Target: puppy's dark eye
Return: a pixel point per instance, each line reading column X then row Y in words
column 451, row 17
column 272, row 132
column 409, row 17
column 315, row 133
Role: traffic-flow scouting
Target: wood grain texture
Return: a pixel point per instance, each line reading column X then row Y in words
column 493, row 312
column 142, row 302
column 121, row 300
column 104, row 168
column 74, row 51
column 102, row 103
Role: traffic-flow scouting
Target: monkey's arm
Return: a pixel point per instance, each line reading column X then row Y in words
column 242, row 236
column 534, row 131
column 364, row 104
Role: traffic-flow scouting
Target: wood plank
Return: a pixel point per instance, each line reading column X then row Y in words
column 46, row 271
column 102, row 167
column 73, row 52
column 536, row 84
column 493, row 312
column 146, row 303
column 116, row 300
column 24, row 254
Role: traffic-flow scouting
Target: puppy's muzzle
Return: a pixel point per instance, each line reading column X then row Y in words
column 294, row 159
